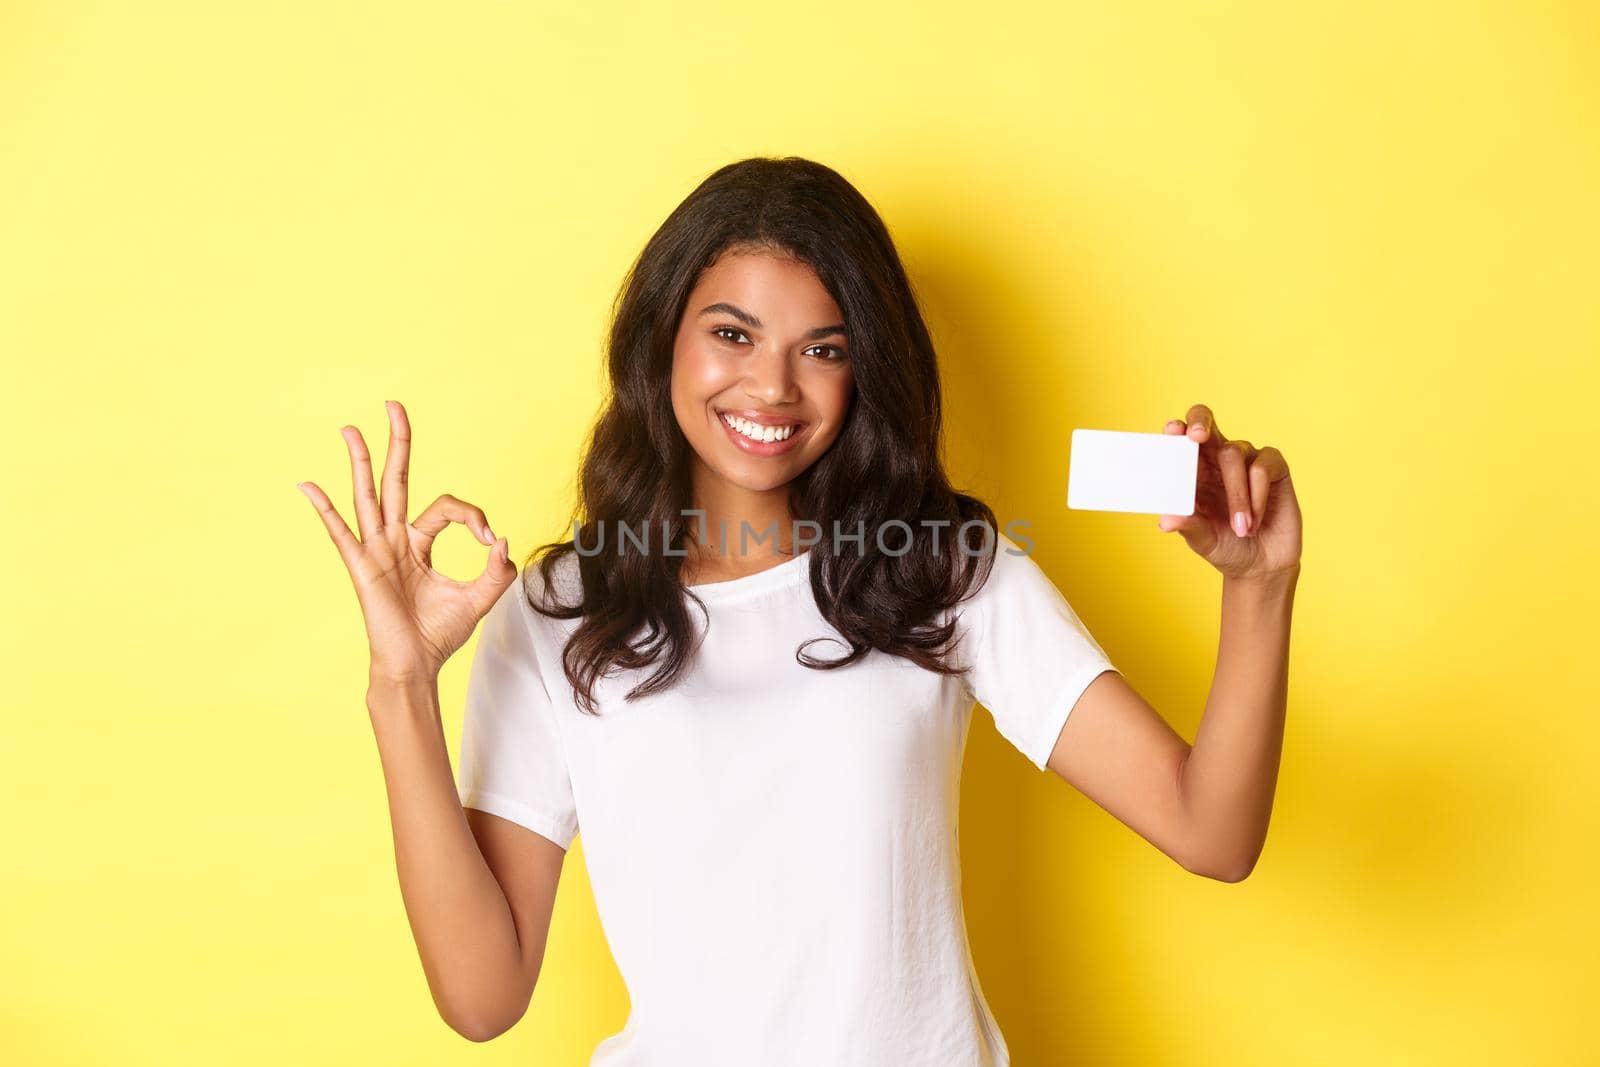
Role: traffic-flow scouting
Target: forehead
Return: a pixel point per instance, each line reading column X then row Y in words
column 775, row 288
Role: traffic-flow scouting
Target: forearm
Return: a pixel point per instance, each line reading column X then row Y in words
column 459, row 917
column 1229, row 777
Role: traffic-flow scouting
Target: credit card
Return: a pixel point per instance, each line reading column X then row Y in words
column 1116, row 470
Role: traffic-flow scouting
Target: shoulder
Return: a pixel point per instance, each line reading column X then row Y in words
column 1008, row 568
column 1010, row 585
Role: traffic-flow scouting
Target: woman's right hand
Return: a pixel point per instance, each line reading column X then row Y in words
column 416, row 617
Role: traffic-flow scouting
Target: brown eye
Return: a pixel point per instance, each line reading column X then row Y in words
column 718, row 331
column 839, row 354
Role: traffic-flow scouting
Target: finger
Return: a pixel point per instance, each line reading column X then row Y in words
column 343, row 539
column 1267, row 469
column 368, row 518
column 447, row 509
column 1232, row 459
column 486, row 588
column 1203, row 426
column 1260, row 487
column 396, row 465
column 1175, row 426
column 1276, row 464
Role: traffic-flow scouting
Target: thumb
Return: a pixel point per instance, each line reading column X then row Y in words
column 497, row 575
column 1196, row 530
column 1168, row 523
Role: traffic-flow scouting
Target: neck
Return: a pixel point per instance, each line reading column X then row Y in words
column 740, row 523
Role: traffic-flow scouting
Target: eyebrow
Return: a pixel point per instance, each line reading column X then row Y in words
column 755, row 324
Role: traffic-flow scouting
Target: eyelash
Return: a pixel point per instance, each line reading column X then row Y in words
column 840, row 354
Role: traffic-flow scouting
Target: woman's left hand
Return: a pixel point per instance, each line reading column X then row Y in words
column 1246, row 520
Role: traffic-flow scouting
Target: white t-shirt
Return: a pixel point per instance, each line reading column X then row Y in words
column 773, row 849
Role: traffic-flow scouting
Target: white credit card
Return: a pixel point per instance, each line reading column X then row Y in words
column 1114, row 470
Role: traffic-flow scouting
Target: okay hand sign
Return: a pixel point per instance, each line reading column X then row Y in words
column 416, row 617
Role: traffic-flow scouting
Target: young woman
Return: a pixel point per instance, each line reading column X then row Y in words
column 750, row 674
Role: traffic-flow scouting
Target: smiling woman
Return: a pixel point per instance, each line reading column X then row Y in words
column 771, row 836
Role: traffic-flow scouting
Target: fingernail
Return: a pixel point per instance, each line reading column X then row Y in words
column 489, row 534
column 1241, row 523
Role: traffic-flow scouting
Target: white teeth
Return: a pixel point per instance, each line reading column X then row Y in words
column 757, row 432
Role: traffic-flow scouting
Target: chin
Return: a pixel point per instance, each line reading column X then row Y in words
column 755, row 485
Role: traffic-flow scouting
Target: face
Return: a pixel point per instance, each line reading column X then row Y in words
column 763, row 344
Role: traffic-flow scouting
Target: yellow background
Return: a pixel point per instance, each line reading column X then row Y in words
column 1365, row 233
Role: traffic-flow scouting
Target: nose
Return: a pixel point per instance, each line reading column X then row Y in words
column 771, row 379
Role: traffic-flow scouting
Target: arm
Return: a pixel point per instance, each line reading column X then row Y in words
column 1119, row 752
column 1206, row 807
column 1227, row 781
column 478, row 890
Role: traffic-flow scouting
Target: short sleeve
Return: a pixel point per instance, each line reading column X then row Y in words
column 1030, row 655
column 512, row 763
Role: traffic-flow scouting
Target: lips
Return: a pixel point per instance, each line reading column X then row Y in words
column 762, row 448
column 760, row 418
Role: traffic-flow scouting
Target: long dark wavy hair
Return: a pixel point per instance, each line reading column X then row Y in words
column 884, row 465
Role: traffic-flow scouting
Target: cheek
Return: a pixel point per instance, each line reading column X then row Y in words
column 835, row 397
column 696, row 374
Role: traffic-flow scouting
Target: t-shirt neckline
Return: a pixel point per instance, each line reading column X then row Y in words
column 761, row 581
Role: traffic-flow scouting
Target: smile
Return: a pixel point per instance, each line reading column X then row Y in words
column 758, row 439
